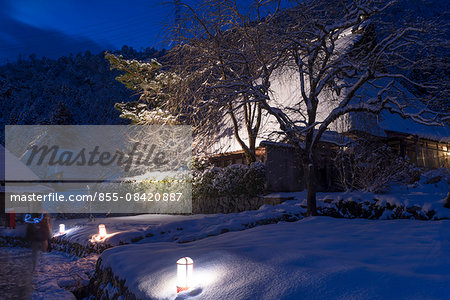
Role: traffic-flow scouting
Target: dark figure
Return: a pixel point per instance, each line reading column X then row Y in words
column 38, row 234
column 49, row 224
column 11, row 219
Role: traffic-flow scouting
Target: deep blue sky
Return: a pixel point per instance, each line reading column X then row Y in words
column 58, row 27
column 53, row 28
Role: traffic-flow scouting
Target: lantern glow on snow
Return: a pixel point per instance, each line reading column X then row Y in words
column 62, row 229
column 101, row 231
column 185, row 272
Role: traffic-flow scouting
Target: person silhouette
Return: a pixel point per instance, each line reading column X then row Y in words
column 38, row 234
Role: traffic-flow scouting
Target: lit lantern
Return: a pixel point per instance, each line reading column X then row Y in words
column 101, row 231
column 62, row 229
column 185, row 272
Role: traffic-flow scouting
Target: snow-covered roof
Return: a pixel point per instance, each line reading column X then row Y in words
column 12, row 169
column 394, row 122
column 327, row 137
column 285, row 94
column 388, row 121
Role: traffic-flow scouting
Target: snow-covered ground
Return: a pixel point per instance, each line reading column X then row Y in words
column 424, row 195
column 314, row 258
column 168, row 228
column 56, row 273
column 427, row 194
column 317, row 257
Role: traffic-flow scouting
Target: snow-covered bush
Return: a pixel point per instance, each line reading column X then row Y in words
column 200, row 163
column 372, row 167
column 436, row 177
column 232, row 180
column 255, row 178
column 203, row 182
column 235, row 180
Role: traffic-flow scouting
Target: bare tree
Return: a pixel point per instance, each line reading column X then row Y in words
column 223, row 56
column 345, row 57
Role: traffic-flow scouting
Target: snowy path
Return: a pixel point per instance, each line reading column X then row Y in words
column 56, row 270
column 15, row 274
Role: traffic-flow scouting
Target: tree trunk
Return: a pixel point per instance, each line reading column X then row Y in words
column 447, row 201
column 311, row 188
column 249, row 157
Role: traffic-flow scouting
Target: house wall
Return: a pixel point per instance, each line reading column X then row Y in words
column 284, row 167
column 284, row 171
column 236, row 157
column 423, row 153
column 430, row 154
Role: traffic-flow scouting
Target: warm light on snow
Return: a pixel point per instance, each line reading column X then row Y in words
column 102, row 235
column 160, row 284
column 101, row 231
column 97, row 238
column 65, row 231
column 185, row 272
column 62, row 229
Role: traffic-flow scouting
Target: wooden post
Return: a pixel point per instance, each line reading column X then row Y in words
column 2, row 202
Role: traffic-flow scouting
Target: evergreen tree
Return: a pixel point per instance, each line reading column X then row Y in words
column 153, row 84
column 61, row 115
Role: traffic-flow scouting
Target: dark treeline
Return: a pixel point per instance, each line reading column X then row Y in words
column 74, row 89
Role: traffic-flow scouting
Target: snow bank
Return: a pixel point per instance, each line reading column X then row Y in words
column 424, row 199
column 168, row 228
column 314, row 258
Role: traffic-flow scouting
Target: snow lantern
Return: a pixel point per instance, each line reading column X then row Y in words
column 101, row 231
column 62, row 229
column 185, row 272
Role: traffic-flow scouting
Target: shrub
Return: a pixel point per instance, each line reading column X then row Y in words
column 232, row 181
column 372, row 167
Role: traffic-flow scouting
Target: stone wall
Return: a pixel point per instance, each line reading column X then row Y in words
column 105, row 285
column 210, row 205
column 77, row 249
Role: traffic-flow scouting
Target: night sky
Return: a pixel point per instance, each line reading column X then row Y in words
column 53, row 28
